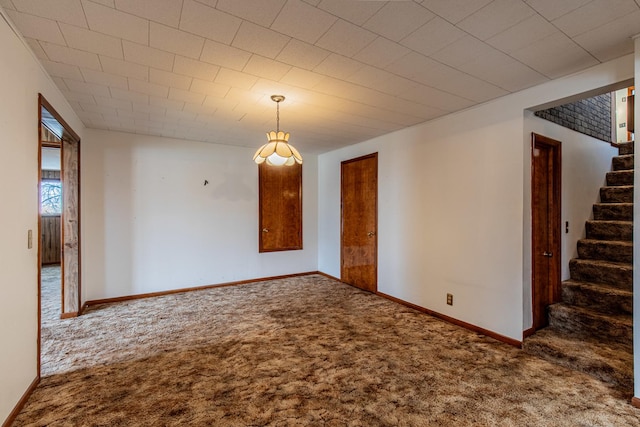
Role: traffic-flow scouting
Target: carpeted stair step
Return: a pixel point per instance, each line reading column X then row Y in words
column 620, row 178
column 613, row 211
column 580, row 322
column 601, row 298
column 609, row 362
column 625, row 148
column 624, row 162
column 619, row 275
column 619, row 194
column 609, row 230
column 606, row 250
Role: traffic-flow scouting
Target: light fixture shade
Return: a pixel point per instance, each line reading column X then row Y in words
column 277, row 151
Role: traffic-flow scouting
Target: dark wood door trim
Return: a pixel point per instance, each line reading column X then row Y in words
column 374, row 198
column 551, row 293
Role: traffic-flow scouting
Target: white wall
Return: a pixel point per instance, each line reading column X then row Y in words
column 150, row 224
column 451, row 214
column 21, row 78
column 585, row 162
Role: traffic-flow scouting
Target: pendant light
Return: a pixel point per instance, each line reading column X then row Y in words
column 277, row 151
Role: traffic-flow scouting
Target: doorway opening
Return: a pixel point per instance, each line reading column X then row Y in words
column 58, row 221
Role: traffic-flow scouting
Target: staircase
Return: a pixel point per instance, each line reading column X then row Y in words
column 590, row 330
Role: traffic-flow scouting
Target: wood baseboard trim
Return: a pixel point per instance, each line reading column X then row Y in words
column 455, row 321
column 69, row 315
column 328, row 276
column 635, row 402
column 528, row 332
column 191, row 289
column 23, row 400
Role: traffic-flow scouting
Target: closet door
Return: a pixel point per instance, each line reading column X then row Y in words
column 280, row 207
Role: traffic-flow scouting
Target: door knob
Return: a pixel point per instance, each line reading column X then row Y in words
column 265, row 230
column 371, row 233
column 547, row 254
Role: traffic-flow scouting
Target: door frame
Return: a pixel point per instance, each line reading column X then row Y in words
column 555, row 219
column 68, row 132
column 375, row 264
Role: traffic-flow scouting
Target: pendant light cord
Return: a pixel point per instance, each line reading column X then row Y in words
column 278, row 116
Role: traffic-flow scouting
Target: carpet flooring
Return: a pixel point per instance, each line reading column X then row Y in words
column 306, row 351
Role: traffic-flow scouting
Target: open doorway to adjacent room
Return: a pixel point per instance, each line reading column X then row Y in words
column 58, row 226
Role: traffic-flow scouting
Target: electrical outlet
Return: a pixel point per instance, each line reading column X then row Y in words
column 449, row 299
column 29, row 239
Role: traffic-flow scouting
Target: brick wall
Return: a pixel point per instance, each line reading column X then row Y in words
column 590, row 116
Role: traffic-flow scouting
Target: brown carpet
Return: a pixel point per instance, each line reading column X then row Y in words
column 303, row 351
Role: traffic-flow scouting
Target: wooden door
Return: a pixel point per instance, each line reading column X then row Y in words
column 70, row 227
column 359, row 236
column 545, row 204
column 280, row 207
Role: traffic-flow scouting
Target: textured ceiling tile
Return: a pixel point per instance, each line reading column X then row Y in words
column 302, row 55
column 115, row 23
column 148, row 88
column 175, row 41
column 101, row 109
column 126, row 95
column 433, row 36
column 593, row 15
column 555, row 56
column 164, row 11
column 345, row 38
column 209, row 88
column 75, row 96
column 7, row 5
column 455, row 10
column 338, row 66
column 185, row 96
column 357, row 12
column 522, row 34
column 169, row 104
column 224, row 56
column 503, row 71
column 301, row 78
column 267, row 68
column 166, row 78
column 69, row 11
column 381, row 52
column 431, row 96
column 126, row 69
column 91, row 41
column 193, row 68
column 261, row 12
column 613, row 39
column 396, row 20
column 71, row 56
column 302, row 21
column 36, row 27
column 260, row 40
column 145, row 55
column 198, row 19
column 495, row 18
column 58, row 69
column 104, row 79
column 88, row 88
column 553, row 9
column 462, row 50
column 36, row 48
column 109, row 3
column 112, row 102
column 234, row 78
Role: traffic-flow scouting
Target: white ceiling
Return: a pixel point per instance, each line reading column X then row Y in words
column 350, row 70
